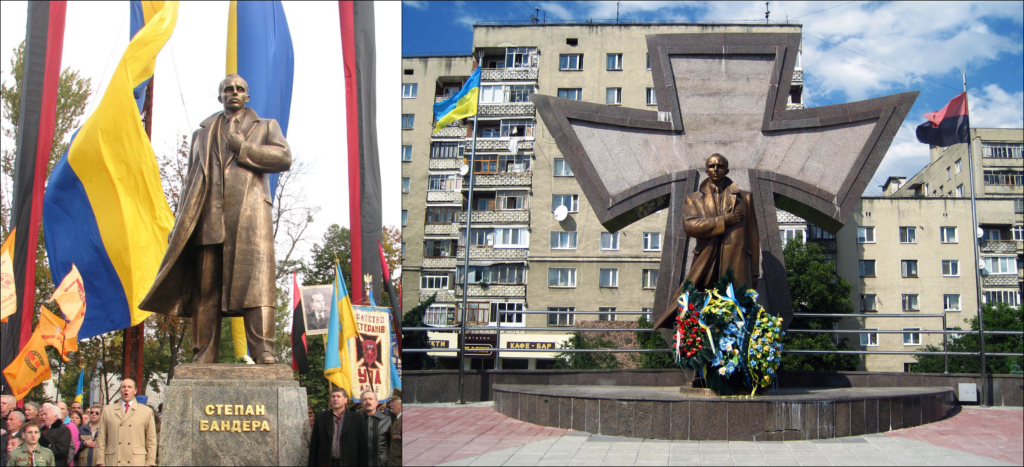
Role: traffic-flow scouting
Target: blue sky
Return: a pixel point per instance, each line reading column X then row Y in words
column 852, row 50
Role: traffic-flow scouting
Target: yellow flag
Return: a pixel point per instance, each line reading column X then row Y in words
column 29, row 368
column 51, row 331
column 8, row 293
column 70, row 295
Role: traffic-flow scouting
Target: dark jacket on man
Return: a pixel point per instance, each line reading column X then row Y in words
column 57, row 438
column 395, row 458
column 378, row 441
column 353, row 439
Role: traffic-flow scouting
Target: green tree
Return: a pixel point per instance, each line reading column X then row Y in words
column 586, row 360
column 315, row 383
column 651, row 340
column 417, row 339
column 335, row 245
column 815, row 287
column 998, row 317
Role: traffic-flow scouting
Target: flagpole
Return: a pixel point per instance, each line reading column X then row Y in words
column 465, row 269
column 977, row 256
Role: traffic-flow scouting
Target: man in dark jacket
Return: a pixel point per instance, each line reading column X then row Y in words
column 56, row 436
column 395, row 458
column 339, row 435
column 378, row 429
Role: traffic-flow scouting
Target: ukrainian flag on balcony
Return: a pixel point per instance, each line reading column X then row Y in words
column 459, row 106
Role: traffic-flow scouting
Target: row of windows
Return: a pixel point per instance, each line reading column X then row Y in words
column 950, row 267
column 492, row 313
column 613, row 62
column 566, row 278
column 612, row 95
column 515, row 274
column 909, row 338
column 609, row 241
column 907, row 235
column 1004, row 177
column 950, row 302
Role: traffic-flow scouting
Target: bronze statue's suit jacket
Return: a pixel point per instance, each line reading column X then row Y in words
column 249, row 267
column 737, row 247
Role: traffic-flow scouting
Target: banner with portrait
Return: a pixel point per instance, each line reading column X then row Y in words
column 316, row 308
column 371, row 363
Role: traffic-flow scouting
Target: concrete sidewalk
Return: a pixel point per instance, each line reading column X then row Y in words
column 473, row 434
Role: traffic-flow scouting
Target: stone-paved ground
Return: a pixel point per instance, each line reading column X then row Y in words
column 992, row 432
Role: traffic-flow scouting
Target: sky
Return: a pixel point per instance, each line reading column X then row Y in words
column 192, row 63
column 851, row 51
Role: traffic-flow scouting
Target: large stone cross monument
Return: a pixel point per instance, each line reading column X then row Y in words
column 724, row 93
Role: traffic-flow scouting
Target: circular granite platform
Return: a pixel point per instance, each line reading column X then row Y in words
column 665, row 413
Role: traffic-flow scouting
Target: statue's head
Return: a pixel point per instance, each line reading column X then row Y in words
column 233, row 93
column 717, row 167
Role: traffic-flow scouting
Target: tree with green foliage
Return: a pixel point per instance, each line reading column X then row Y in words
column 815, row 287
column 586, row 360
column 335, row 246
column 417, row 339
column 651, row 340
column 315, row 383
column 998, row 317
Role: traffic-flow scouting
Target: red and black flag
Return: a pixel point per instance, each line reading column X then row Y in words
column 299, row 361
column 948, row 126
column 396, row 300
column 359, row 57
column 44, row 42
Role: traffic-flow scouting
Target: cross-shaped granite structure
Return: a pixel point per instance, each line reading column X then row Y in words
column 724, row 93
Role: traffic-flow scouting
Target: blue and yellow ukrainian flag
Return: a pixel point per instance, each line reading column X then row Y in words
column 459, row 106
column 341, row 335
column 104, row 208
column 79, row 394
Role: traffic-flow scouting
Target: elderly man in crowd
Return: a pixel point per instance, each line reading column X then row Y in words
column 378, row 429
column 32, row 413
column 395, row 405
column 55, row 436
column 88, row 456
column 30, row 453
column 339, row 435
column 7, row 403
column 127, row 427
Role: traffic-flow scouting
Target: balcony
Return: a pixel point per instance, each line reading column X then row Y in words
column 798, row 75
column 439, row 263
column 999, row 246
column 444, row 196
column 511, row 109
column 1000, row 280
column 497, row 145
column 443, row 296
column 790, row 106
column 508, row 74
column 451, row 131
column 495, row 217
column 494, row 290
column 497, row 254
column 504, row 179
column 441, row 229
column 445, row 164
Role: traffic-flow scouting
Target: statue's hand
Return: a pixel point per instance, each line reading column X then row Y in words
column 733, row 218
column 234, row 136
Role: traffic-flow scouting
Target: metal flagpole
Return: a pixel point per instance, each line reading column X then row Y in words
column 977, row 256
column 465, row 269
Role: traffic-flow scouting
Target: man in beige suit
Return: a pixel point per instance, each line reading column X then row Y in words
column 127, row 431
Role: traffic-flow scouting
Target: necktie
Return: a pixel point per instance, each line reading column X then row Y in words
column 127, row 405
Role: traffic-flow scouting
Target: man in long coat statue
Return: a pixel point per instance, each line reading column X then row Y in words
column 220, row 254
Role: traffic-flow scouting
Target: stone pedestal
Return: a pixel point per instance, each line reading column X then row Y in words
column 224, row 414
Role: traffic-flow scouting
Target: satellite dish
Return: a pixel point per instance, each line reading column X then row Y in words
column 561, row 212
column 464, row 170
column 981, row 232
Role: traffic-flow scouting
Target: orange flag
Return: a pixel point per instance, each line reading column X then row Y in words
column 8, row 294
column 51, row 329
column 29, row 368
column 70, row 295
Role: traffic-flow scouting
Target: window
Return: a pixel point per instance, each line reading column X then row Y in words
column 481, row 237
column 444, row 182
column 403, row 250
column 442, row 215
column 908, row 234
column 868, row 302
column 1018, row 206
column 650, row 314
column 409, row 91
column 408, row 72
column 651, row 99
column 1018, row 233
column 648, row 61
column 609, row 278
column 518, row 92
column 570, row 62
column 926, row 191
column 511, row 238
column 563, row 240
column 514, row 163
column 950, row 267
column 991, row 234
column 507, row 274
column 572, row 41
column 866, row 267
column 613, row 96
column 439, row 248
column 817, row 233
column 606, row 316
column 562, row 277
column 1000, row 264
column 447, row 150
column 1004, row 177
column 476, row 312
column 405, row 184
column 436, row 315
column 492, row 94
column 406, row 153
column 949, row 173
column 1009, row 297
column 911, row 338
column 562, row 168
column 947, row 234
column 614, row 61
column 609, row 241
column 958, row 165
column 562, row 319
column 405, row 217
column 575, row 94
column 571, row 202
column 652, row 241
column 434, row 282
column 516, row 128
column 509, row 200
column 869, row 339
column 486, row 163
column 790, row 234
column 520, row 57
column 649, row 279
column 951, row 302
column 489, row 130
column 484, row 201
column 910, row 302
column 407, row 121
column 1002, row 150
column 507, row 318
column 908, row 267
column 865, row 235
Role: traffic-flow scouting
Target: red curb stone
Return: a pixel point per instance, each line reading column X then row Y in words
column 993, row 433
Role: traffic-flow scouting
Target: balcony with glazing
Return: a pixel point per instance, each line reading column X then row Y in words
column 494, row 254
column 494, row 290
column 1000, row 246
column 507, row 109
column 495, row 217
column 499, row 144
column 509, row 74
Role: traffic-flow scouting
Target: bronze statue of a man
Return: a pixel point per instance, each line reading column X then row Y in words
column 721, row 218
column 220, row 255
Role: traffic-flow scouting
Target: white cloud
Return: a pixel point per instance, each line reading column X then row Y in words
column 467, row 21
column 905, row 158
column 416, row 4
column 992, row 107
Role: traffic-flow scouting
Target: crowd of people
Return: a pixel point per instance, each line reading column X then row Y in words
column 350, row 435
column 57, row 435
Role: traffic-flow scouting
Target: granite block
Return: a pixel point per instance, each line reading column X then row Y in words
column 909, row 380
column 529, row 403
column 592, row 413
column 609, row 418
column 884, row 380
column 579, row 414
column 565, row 412
column 679, row 422
column 292, row 450
column 543, row 414
column 872, row 411
column 643, row 420
column 625, row 418
column 826, row 420
column 176, row 426
column 661, row 416
column 809, row 420
column 858, row 418
column 709, row 420
column 896, row 408
column 746, row 421
column 912, row 413
column 842, row 421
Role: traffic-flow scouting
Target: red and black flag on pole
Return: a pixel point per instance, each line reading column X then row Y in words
column 948, row 126
column 358, row 51
column 44, row 42
column 396, row 300
column 299, row 346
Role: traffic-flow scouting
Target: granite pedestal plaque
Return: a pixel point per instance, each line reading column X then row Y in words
column 222, row 414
